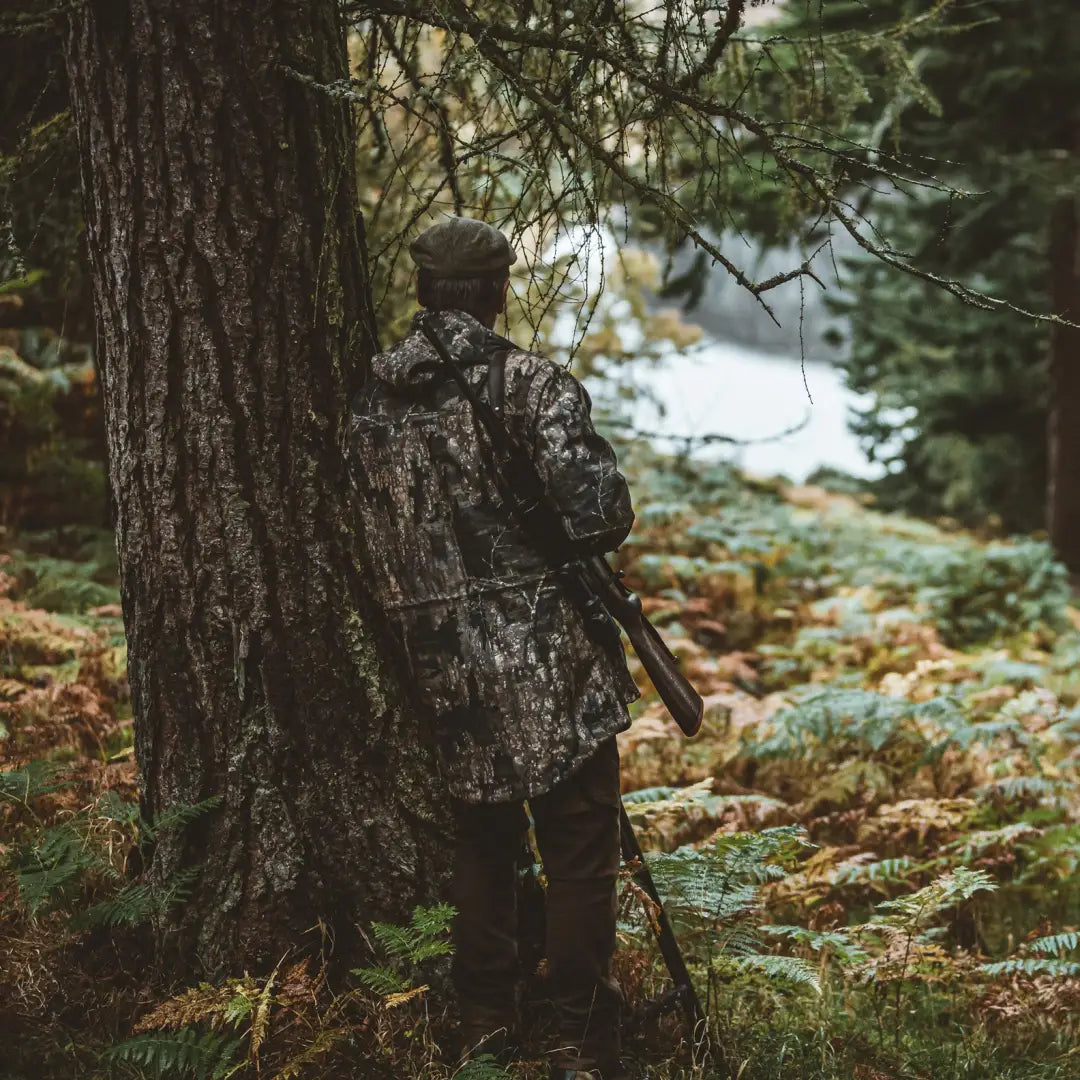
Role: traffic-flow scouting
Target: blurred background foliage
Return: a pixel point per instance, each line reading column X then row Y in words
column 959, row 395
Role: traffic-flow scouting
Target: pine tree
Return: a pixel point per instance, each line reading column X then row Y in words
column 974, row 410
column 230, row 290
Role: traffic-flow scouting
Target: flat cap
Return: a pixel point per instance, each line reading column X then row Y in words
column 462, row 248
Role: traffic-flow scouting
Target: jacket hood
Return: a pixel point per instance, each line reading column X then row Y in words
column 413, row 363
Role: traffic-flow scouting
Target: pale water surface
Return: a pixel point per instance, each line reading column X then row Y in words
column 745, row 379
column 729, row 389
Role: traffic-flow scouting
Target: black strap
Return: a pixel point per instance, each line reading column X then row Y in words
column 496, row 381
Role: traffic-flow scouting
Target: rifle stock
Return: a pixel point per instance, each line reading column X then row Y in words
column 675, row 690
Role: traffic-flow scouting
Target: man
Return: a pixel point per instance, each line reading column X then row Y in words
column 525, row 703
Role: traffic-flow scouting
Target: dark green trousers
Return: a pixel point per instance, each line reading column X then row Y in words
column 577, row 832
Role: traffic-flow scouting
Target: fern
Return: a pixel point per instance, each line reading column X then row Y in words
column 133, row 904
column 186, row 1053
column 434, row 920
column 483, row 1067
column 837, row 723
column 57, row 869
column 645, row 796
column 1030, row 965
column 1051, row 962
column 64, row 585
column 835, row 942
column 914, row 911
column 1018, row 788
column 423, row 938
column 715, row 893
column 237, row 1009
column 722, row 880
column 791, row 969
column 138, row 903
column 878, row 871
column 32, row 780
column 178, row 816
column 382, row 980
column 52, row 869
column 113, row 808
column 976, row 844
column 1056, row 943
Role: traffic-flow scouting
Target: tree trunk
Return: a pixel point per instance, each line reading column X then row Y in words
column 1063, row 496
column 230, row 292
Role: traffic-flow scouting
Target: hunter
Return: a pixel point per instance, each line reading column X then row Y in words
column 525, row 703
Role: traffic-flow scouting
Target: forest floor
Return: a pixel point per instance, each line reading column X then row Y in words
column 871, row 851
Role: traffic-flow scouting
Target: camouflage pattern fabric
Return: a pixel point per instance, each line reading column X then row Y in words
column 520, row 694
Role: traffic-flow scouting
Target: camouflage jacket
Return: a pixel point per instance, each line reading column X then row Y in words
column 519, row 693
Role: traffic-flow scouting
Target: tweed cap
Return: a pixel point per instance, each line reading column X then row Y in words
column 462, row 248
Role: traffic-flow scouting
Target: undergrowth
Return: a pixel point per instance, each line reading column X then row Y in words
column 871, row 854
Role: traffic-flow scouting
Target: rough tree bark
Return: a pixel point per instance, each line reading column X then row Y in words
column 1063, row 494
column 230, row 295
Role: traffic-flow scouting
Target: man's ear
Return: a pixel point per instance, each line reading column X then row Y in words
column 502, row 301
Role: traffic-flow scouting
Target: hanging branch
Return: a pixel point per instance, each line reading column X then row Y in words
column 617, row 113
column 731, row 22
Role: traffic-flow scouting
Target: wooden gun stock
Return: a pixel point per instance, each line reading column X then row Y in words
column 678, row 695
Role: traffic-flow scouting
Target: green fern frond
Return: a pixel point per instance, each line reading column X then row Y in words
column 916, row 909
column 237, row 1009
column 720, row 882
column 831, row 719
column 54, row 866
column 484, row 1067
column 381, row 980
column 185, row 1054
column 792, row 969
column 33, row 779
column 975, row 844
column 132, row 905
column 1032, row 965
column 836, row 942
column 176, row 817
column 395, row 941
column 178, row 888
column 1056, row 943
column 433, row 921
column 138, row 902
column 697, row 885
column 427, row 950
column 650, row 795
column 1015, row 788
column 740, row 940
column 881, row 870
column 114, row 808
column 422, row 939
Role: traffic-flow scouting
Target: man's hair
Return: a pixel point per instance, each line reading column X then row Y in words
column 480, row 297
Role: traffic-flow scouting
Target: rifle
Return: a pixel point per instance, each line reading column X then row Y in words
column 603, row 600
column 597, row 590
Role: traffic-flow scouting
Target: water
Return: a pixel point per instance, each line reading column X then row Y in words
column 735, row 390
column 746, row 379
